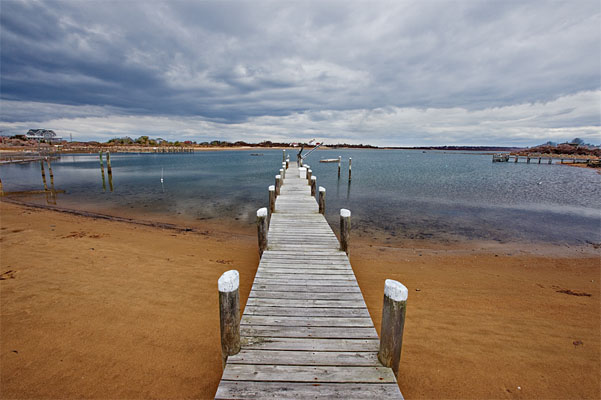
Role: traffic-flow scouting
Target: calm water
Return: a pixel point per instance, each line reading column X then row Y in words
column 400, row 194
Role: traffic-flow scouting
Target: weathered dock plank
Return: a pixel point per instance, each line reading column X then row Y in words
column 305, row 331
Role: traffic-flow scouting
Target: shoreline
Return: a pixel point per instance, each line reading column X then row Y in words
column 135, row 306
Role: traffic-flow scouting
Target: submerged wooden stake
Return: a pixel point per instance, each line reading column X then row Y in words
column 339, row 162
column 229, row 313
column 393, row 323
column 43, row 175
column 313, row 185
column 50, row 173
column 322, row 200
column 109, row 170
column 262, row 229
column 345, row 229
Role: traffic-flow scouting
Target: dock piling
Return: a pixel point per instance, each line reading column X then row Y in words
column 271, row 198
column 283, row 155
column 282, row 174
column 302, row 172
column 309, row 174
column 345, row 229
column 229, row 313
column 393, row 323
column 339, row 162
column 322, row 200
column 278, row 179
column 313, row 185
column 262, row 229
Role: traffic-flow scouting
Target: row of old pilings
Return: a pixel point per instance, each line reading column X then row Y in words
column 395, row 293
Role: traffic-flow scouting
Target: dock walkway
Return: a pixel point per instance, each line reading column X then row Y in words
column 305, row 331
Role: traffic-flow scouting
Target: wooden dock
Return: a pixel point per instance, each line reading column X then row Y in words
column 305, row 331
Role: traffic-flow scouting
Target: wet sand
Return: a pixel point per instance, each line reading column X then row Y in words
column 103, row 309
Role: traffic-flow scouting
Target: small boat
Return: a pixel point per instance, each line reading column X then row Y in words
column 329, row 160
column 256, row 154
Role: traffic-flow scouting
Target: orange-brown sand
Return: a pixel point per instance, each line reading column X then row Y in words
column 103, row 309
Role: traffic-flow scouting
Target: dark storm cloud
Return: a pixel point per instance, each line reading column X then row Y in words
column 235, row 62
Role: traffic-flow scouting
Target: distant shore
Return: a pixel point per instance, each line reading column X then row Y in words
column 131, row 310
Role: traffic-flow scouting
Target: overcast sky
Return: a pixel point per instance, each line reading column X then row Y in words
column 386, row 73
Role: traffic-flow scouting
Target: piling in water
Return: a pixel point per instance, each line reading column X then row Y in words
column 277, row 185
column 313, row 185
column 339, row 162
column 393, row 323
column 350, row 162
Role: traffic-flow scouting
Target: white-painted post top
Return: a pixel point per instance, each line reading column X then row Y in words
column 344, row 213
column 306, row 166
column 322, row 189
column 262, row 212
column 395, row 290
column 278, row 177
column 229, row 281
column 313, row 178
column 281, row 171
column 271, row 188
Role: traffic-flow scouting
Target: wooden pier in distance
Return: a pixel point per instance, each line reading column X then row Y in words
column 305, row 331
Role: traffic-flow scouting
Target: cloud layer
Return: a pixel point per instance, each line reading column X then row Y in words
column 396, row 73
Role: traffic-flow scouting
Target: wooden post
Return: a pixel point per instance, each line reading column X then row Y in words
column 309, row 174
column 287, row 163
column 516, row 158
column 50, row 173
column 393, row 322
column 339, row 162
column 102, row 170
column 350, row 162
column 229, row 313
column 43, row 175
column 277, row 185
column 283, row 155
column 262, row 229
column 284, row 168
column 322, row 200
column 271, row 198
column 313, row 185
column 1, row 190
column 282, row 173
column 109, row 170
column 550, row 160
column 528, row 160
column 345, row 229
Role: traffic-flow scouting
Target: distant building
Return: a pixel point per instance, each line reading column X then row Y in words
column 42, row 134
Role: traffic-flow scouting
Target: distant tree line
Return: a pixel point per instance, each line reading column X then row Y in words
column 576, row 146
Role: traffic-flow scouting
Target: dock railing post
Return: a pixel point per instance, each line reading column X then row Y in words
column 393, row 323
column 345, row 229
column 283, row 155
column 271, row 198
column 309, row 174
column 229, row 313
column 277, row 185
column 262, row 229
column 350, row 162
column 313, row 185
column 282, row 173
column 287, row 163
column 339, row 162
column 322, row 200
column 284, row 168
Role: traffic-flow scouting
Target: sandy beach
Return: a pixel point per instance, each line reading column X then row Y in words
column 102, row 309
